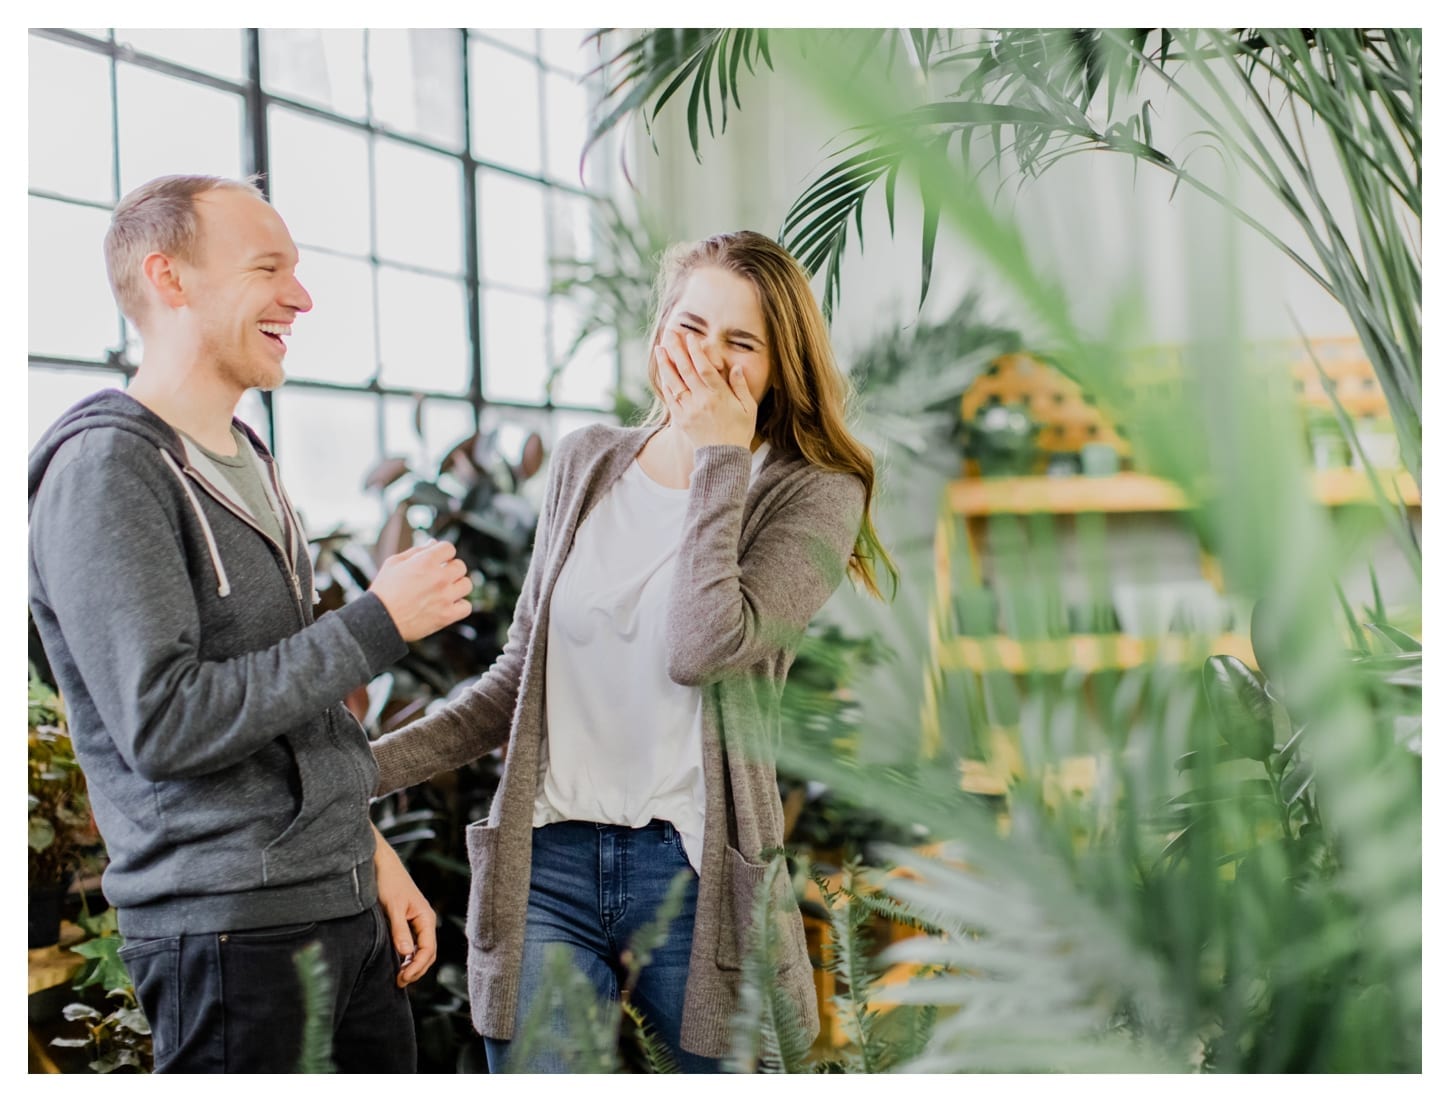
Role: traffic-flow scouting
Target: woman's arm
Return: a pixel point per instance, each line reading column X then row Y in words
column 480, row 719
column 727, row 612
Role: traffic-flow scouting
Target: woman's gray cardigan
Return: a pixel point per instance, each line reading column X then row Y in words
column 756, row 562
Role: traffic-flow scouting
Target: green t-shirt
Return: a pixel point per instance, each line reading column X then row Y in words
column 243, row 473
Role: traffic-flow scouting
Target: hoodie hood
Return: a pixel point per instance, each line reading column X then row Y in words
column 114, row 409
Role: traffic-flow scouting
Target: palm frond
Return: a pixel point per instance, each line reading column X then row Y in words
column 659, row 63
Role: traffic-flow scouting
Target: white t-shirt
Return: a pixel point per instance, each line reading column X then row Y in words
column 624, row 742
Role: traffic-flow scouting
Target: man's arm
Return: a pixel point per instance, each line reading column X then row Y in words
column 115, row 576
column 411, row 919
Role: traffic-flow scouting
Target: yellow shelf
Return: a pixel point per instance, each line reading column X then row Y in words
column 1119, row 493
column 1089, row 653
column 1134, row 493
column 1349, row 486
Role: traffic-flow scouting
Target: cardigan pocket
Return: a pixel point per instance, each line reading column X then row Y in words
column 743, row 879
column 482, row 842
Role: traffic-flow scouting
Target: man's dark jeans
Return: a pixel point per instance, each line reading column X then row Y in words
column 232, row 1002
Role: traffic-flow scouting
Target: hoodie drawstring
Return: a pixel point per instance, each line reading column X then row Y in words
column 224, row 587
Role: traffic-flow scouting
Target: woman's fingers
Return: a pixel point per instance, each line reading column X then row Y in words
column 670, row 381
column 679, row 355
column 706, row 370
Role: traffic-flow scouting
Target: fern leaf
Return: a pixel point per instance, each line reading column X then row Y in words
column 657, row 1054
column 316, row 982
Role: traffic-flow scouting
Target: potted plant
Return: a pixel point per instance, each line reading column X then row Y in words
column 61, row 828
column 1328, row 449
column 1002, row 438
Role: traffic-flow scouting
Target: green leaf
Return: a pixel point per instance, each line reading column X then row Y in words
column 1241, row 706
column 1296, row 782
column 1257, row 789
column 1401, row 640
column 42, row 833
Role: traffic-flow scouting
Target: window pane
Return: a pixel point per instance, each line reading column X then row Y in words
column 444, row 425
column 420, row 207
column 319, row 181
column 424, row 327
column 134, row 346
column 567, row 421
column 587, row 378
column 567, row 50
column 521, row 38
column 326, row 443
column 211, row 51
column 418, row 82
column 170, row 125
column 251, row 410
column 52, row 392
column 511, row 243
column 71, row 312
column 70, row 121
column 334, row 342
column 571, row 232
column 515, row 362
column 321, row 67
column 504, row 89
column 568, row 126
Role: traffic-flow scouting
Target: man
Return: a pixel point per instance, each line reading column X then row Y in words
column 170, row 583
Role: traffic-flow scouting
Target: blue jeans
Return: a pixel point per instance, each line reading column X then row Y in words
column 591, row 888
column 232, row 1002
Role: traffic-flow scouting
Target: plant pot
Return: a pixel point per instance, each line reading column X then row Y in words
column 1099, row 460
column 46, row 904
column 1063, row 464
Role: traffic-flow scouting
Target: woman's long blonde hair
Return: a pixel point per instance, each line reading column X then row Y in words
column 804, row 411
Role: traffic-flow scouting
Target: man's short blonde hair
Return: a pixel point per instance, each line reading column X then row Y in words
column 157, row 217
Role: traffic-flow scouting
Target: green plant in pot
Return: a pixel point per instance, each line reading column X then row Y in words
column 1328, row 448
column 60, row 828
column 1002, row 438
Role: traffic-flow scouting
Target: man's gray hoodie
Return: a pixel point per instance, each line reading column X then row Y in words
column 229, row 783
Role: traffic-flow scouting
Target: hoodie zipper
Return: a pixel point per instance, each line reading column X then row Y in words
column 289, row 561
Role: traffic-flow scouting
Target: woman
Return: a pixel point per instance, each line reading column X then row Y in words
column 675, row 567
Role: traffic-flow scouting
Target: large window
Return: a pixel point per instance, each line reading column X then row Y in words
column 428, row 176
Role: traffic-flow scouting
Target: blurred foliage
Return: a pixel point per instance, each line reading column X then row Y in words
column 315, row 982
column 1197, row 866
column 58, row 808
column 117, row 1036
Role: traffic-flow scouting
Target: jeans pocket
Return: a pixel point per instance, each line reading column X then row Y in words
column 269, row 935
column 677, row 843
column 154, row 965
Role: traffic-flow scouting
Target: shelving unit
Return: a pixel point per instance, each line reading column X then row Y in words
column 1139, row 493
column 1088, row 653
column 972, row 501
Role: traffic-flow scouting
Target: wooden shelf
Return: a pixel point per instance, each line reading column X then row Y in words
column 1351, row 487
column 1119, row 493
column 1089, row 653
column 56, row 964
column 1134, row 493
